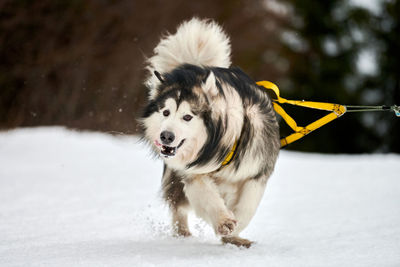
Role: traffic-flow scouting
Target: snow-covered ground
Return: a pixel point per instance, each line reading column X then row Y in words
column 90, row 199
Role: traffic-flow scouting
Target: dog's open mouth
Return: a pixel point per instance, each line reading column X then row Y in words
column 169, row 151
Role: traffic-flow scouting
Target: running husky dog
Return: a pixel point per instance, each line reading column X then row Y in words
column 214, row 127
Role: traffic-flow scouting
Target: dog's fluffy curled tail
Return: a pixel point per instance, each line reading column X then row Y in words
column 197, row 42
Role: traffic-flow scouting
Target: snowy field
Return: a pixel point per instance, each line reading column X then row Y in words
column 90, row 199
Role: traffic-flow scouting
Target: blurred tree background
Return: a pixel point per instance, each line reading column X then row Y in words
column 81, row 63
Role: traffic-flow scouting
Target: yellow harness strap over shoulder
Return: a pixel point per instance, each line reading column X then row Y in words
column 230, row 155
column 299, row 131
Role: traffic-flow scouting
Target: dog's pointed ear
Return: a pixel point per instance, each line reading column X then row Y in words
column 210, row 84
column 159, row 76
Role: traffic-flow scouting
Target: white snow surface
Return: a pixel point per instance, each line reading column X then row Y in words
column 89, row 199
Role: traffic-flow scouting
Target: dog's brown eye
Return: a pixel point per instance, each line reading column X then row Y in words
column 187, row 117
column 166, row 113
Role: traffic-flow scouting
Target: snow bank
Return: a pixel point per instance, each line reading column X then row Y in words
column 90, row 199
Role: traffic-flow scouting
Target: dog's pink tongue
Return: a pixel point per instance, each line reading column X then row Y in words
column 157, row 143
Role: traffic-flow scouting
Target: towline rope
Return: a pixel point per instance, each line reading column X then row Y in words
column 337, row 111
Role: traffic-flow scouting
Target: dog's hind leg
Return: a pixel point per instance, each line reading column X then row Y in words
column 180, row 220
column 206, row 201
column 172, row 186
column 245, row 208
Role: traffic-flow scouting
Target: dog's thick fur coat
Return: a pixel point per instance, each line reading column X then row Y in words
column 199, row 108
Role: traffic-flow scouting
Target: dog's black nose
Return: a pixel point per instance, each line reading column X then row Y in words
column 167, row 137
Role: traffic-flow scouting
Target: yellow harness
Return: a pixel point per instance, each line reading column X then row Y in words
column 230, row 155
column 337, row 110
column 299, row 131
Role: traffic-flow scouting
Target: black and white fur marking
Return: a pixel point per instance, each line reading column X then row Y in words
column 198, row 108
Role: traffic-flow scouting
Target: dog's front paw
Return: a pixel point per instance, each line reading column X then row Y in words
column 226, row 226
column 237, row 241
